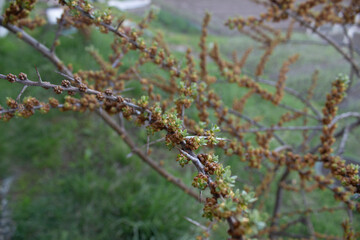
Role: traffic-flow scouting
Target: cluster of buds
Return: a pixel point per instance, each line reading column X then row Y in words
column 11, row 103
column 282, row 78
column 29, row 104
column 348, row 174
column 31, row 23
column 210, row 163
column 18, row 9
column 200, row 181
column 22, row 76
column 202, row 45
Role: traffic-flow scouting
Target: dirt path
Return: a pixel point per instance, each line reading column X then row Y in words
column 220, row 10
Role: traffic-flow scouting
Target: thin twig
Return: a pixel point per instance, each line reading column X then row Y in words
column 308, row 222
column 121, row 119
column 276, row 128
column 38, row 74
column 318, row 43
column 21, row 92
column 328, row 40
column 144, row 157
column 278, row 200
column 37, row 45
column 58, row 33
column 147, row 144
column 48, row 85
column 338, row 134
column 297, row 95
column 343, row 116
column 196, row 223
column 351, row 53
column 343, row 141
column 248, row 119
column 195, row 161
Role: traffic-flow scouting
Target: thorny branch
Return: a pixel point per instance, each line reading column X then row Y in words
column 223, row 203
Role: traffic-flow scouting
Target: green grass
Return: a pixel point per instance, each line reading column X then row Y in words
column 93, row 196
column 73, row 179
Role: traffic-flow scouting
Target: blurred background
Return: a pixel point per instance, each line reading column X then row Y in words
column 68, row 176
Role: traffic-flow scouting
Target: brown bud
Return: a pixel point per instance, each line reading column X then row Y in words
column 82, row 87
column 58, row 89
column 11, row 77
column 65, row 83
column 100, row 97
column 108, row 92
column 22, row 76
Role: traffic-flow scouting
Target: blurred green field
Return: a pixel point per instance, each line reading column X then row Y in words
column 73, row 177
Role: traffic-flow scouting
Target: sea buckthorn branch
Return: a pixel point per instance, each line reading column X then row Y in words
column 265, row 57
column 248, row 83
column 279, row 85
column 338, row 134
column 206, row 229
column 258, row 31
column 224, row 203
column 295, row 94
column 202, row 45
column 87, row 12
column 121, row 132
column 350, row 59
column 234, row 224
column 31, row 23
column 18, row 108
column 348, row 174
column 276, row 231
column 278, row 199
column 258, row 152
column 303, row 14
column 308, row 211
column 61, row 88
column 343, row 141
column 309, row 223
column 56, row 61
column 21, row 93
column 20, row 33
column 309, row 96
column 243, row 59
column 251, row 121
column 238, row 105
column 18, row 10
column 60, row 26
column 261, row 128
column 319, row 43
column 263, row 189
column 311, row 211
column 237, row 131
column 276, row 128
column 275, row 98
column 351, row 53
column 343, row 116
column 351, row 115
column 187, row 137
column 134, row 149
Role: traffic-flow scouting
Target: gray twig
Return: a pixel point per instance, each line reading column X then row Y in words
column 21, row 92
